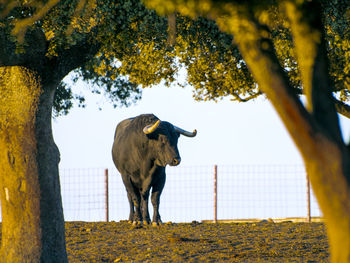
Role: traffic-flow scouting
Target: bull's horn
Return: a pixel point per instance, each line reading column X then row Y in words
column 151, row 128
column 186, row 133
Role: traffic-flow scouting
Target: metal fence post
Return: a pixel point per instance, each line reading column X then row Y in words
column 106, row 196
column 215, row 193
column 308, row 192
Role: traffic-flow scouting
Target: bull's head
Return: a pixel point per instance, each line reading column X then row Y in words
column 166, row 136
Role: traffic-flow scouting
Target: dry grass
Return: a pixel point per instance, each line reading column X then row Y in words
column 197, row 242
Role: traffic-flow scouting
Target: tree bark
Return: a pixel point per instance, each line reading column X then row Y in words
column 329, row 166
column 33, row 224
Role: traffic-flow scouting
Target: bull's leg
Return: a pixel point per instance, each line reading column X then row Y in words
column 144, row 207
column 134, row 200
column 131, row 204
column 156, row 192
column 155, row 202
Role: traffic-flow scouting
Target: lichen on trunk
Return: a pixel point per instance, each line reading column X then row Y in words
column 20, row 192
column 29, row 200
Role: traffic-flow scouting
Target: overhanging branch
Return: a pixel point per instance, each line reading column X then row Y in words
column 76, row 56
column 310, row 47
column 248, row 98
column 33, row 51
column 342, row 108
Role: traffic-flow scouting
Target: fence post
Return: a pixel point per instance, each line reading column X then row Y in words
column 106, row 196
column 215, row 193
column 308, row 192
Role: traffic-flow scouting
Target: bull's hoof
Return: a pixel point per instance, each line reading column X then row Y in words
column 146, row 222
column 137, row 224
column 156, row 224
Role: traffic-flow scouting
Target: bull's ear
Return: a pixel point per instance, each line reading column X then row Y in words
column 151, row 128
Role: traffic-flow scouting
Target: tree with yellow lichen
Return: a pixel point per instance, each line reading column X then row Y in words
column 32, row 218
column 314, row 127
column 40, row 43
column 20, row 200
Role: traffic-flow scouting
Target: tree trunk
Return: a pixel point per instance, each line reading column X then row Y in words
column 33, row 224
column 315, row 132
column 328, row 169
column 48, row 157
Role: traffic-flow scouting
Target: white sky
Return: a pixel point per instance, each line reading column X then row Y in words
column 228, row 132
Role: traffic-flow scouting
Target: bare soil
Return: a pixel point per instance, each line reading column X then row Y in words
column 197, row 242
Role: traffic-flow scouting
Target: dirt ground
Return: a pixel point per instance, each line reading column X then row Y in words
column 197, row 242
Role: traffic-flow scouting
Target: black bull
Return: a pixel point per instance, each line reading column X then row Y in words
column 142, row 147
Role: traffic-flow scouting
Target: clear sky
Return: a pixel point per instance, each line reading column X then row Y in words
column 228, row 132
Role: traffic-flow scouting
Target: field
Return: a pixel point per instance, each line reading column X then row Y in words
column 197, row 242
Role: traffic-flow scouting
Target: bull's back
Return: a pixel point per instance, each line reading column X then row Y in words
column 120, row 144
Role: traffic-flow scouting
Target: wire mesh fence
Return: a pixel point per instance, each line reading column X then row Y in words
column 83, row 194
column 242, row 192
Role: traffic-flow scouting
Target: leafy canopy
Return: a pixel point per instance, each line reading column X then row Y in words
column 114, row 28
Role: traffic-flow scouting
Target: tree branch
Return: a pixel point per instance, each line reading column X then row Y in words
column 22, row 25
column 75, row 56
column 240, row 99
column 171, row 29
column 32, row 53
column 309, row 41
column 342, row 108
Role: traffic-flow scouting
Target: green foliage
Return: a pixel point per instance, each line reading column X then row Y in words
column 63, row 100
column 214, row 65
column 133, row 48
column 128, row 36
column 113, row 28
column 337, row 20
